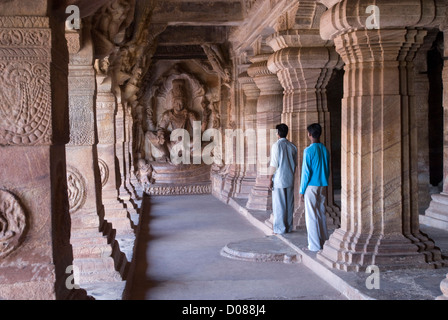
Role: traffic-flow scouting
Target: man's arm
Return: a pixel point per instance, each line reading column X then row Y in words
column 273, row 165
column 305, row 175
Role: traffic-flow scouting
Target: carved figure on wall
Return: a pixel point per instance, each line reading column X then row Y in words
column 111, row 19
column 102, row 66
column 218, row 62
column 177, row 117
column 177, row 106
column 216, row 115
column 144, row 173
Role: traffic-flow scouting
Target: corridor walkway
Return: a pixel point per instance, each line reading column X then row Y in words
column 178, row 257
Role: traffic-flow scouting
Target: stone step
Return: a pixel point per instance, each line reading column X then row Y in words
column 106, row 290
column 112, row 204
column 121, row 225
column 92, row 252
column 88, row 270
column 85, row 221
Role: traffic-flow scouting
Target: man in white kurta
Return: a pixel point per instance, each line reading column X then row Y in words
column 284, row 162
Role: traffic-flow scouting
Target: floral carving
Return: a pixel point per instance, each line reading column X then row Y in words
column 76, row 188
column 12, row 223
column 25, row 103
column 104, row 171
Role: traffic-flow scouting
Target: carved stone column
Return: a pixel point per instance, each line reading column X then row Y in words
column 127, row 192
column 249, row 169
column 117, row 224
column 92, row 253
column 269, row 109
column 379, row 216
column 35, row 251
column 304, row 64
column 421, row 108
column 437, row 213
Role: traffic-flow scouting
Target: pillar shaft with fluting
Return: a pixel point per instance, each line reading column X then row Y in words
column 304, row 73
column 269, row 109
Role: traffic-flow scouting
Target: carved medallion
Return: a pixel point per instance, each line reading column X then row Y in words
column 76, row 188
column 12, row 223
column 104, row 171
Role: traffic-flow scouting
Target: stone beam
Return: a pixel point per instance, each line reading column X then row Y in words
column 24, row 8
column 263, row 15
column 86, row 7
column 189, row 35
column 198, row 12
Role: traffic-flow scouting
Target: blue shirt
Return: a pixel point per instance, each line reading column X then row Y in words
column 315, row 167
column 284, row 158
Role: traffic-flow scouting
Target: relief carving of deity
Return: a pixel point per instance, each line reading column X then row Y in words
column 178, row 116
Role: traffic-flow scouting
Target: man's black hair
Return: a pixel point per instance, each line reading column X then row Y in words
column 282, row 130
column 315, row 130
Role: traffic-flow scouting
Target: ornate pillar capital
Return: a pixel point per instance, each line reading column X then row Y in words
column 248, row 85
column 348, row 15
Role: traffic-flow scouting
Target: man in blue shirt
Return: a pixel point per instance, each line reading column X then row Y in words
column 283, row 163
column 314, row 178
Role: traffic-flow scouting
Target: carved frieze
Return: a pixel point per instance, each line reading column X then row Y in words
column 12, row 223
column 82, row 130
column 177, row 190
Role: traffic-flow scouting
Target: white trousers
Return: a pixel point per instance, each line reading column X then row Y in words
column 283, row 209
column 315, row 218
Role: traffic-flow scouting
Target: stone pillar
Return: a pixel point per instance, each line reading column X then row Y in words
column 269, row 109
column 304, row 64
column 249, row 169
column 379, row 214
column 127, row 192
column 35, row 251
column 421, row 108
column 117, row 224
column 437, row 213
column 91, row 251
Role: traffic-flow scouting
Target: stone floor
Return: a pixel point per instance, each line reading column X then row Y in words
column 410, row 284
column 198, row 248
column 185, row 248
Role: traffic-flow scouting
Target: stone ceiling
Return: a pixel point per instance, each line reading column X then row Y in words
column 187, row 24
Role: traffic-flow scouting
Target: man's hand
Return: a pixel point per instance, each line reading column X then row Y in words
column 271, row 185
column 301, row 200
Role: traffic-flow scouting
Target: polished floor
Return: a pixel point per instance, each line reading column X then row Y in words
column 178, row 257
